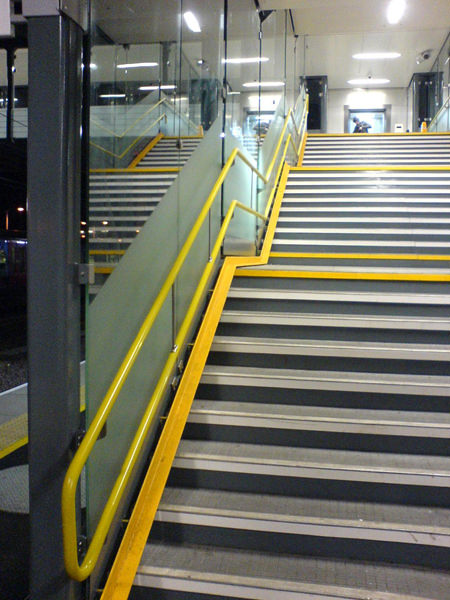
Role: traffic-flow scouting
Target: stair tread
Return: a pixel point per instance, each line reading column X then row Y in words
column 350, row 269
column 329, row 347
column 389, row 516
column 338, row 296
column 327, row 578
column 290, row 412
column 335, row 320
column 393, row 383
column 436, row 466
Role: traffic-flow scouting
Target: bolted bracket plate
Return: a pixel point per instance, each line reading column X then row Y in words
column 86, row 274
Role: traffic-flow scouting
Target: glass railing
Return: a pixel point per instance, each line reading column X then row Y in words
column 441, row 122
column 166, row 296
column 119, row 133
column 152, row 75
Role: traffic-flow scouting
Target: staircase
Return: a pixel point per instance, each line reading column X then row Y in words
column 170, row 152
column 315, row 462
column 122, row 200
column 388, row 150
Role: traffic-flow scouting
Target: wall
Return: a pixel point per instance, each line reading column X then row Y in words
column 377, row 98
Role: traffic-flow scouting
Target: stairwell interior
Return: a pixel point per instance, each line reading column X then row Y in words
column 314, row 462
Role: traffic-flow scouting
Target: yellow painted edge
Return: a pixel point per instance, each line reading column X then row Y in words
column 412, row 133
column 302, row 150
column 138, row 170
column 145, row 151
column 343, row 275
column 13, row 447
column 104, row 270
column 23, row 441
column 183, row 137
column 106, row 252
column 354, row 256
column 136, row 534
column 373, row 168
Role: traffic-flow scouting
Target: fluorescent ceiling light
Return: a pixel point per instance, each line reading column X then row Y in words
column 146, row 88
column 112, row 95
column 255, row 84
column 192, row 22
column 93, row 66
column 395, row 11
column 376, row 55
column 243, row 61
column 233, row 93
column 136, row 65
column 371, row 81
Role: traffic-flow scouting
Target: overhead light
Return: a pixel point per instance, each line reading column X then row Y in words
column 20, row 209
column 255, row 84
column 136, row 65
column 368, row 81
column 376, row 55
column 395, row 11
column 243, row 61
column 192, row 22
column 93, row 66
column 233, row 93
column 147, row 88
column 112, row 95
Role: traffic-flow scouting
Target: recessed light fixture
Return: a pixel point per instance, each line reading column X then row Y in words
column 244, row 61
column 112, row 95
column 376, row 55
column 395, row 11
column 233, row 93
column 136, row 65
column 146, row 88
column 192, row 22
column 368, row 81
column 255, row 84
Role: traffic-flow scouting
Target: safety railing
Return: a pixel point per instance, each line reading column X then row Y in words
column 187, row 121
column 110, row 143
column 441, row 121
column 74, row 569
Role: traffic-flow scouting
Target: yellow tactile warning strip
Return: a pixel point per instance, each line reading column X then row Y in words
column 128, row 557
column 284, row 274
column 138, row 170
column 371, row 135
column 13, row 435
column 353, row 256
column 373, row 168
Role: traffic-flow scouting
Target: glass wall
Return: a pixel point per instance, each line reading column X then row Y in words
column 190, row 90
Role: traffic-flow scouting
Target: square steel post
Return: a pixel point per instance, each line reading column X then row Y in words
column 55, row 50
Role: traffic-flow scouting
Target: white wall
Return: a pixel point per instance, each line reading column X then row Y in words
column 377, row 98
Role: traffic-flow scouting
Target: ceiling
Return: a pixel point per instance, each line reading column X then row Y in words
column 330, row 32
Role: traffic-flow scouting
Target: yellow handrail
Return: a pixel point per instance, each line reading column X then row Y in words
column 122, row 573
column 121, row 135
column 147, row 112
column 74, row 569
column 106, row 151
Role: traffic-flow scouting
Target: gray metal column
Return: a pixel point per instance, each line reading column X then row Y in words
column 10, row 56
column 55, row 44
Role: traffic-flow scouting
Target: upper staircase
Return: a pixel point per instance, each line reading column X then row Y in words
column 315, row 461
column 385, row 149
column 121, row 200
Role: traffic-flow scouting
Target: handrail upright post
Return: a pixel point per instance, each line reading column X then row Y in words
column 174, row 317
